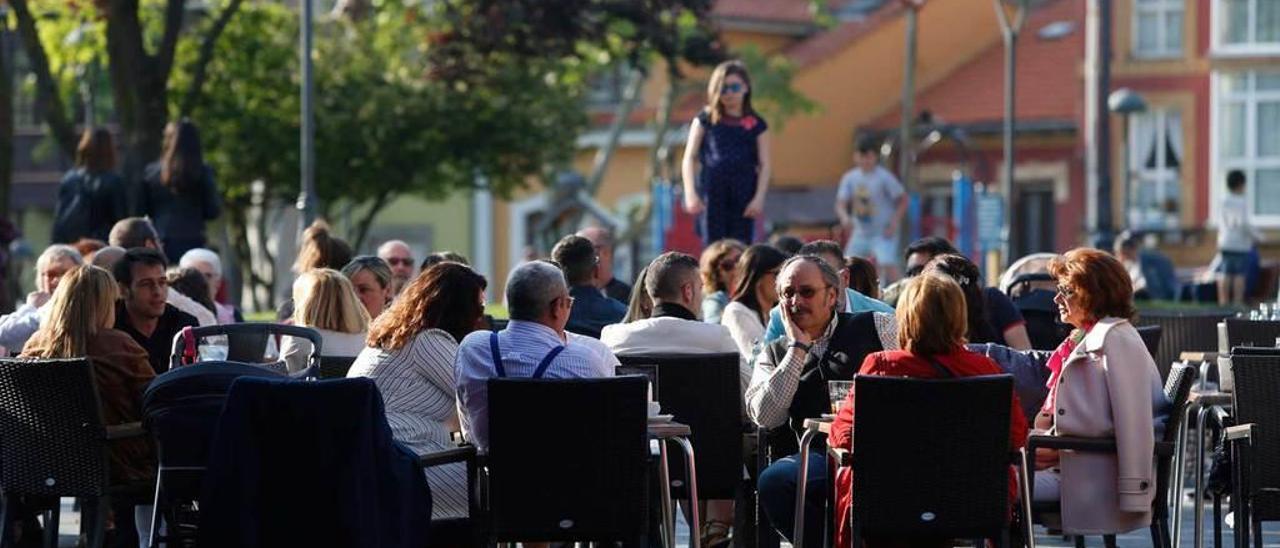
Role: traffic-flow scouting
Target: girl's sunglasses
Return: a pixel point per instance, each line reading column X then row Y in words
column 732, row 88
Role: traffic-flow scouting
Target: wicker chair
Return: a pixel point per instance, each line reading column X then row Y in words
column 568, row 460
column 1256, row 333
column 55, row 443
column 1183, row 332
column 1256, row 444
column 1177, row 389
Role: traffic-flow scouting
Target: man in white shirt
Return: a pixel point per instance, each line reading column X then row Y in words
column 534, row 345
column 17, row 327
column 674, row 327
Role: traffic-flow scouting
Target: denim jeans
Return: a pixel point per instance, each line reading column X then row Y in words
column 777, row 487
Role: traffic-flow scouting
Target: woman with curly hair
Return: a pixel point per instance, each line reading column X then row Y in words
column 411, row 348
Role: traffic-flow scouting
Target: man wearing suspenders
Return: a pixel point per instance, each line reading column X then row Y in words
column 534, row 345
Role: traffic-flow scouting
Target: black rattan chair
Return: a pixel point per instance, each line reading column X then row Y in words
column 704, row 392
column 1184, row 331
column 1151, row 338
column 931, row 458
column 1255, row 333
column 1256, row 444
column 1177, row 389
column 55, row 443
column 568, row 460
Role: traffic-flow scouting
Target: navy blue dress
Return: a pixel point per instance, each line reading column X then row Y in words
column 730, row 162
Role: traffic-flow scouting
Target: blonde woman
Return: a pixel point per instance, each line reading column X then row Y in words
column 716, row 266
column 81, row 316
column 326, row 302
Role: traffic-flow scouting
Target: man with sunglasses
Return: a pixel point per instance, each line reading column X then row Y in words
column 398, row 255
column 592, row 310
column 789, row 381
column 850, row 299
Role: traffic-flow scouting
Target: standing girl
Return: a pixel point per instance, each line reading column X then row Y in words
column 180, row 194
column 731, row 142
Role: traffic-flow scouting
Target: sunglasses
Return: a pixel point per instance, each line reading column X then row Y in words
column 1066, row 291
column 394, row 261
column 733, row 88
column 728, row 265
column 805, row 292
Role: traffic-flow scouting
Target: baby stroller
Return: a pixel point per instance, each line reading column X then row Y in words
column 181, row 408
column 1038, row 309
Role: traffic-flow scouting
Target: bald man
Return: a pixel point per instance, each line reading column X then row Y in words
column 602, row 239
column 398, row 255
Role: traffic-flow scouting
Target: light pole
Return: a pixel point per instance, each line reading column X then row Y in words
column 905, row 136
column 307, row 197
column 1009, row 29
column 1126, row 102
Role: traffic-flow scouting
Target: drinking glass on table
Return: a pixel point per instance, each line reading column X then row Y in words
column 838, row 391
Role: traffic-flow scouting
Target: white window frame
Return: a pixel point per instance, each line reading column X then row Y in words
column 1159, row 9
column 1162, row 177
column 1250, row 162
column 1250, row 48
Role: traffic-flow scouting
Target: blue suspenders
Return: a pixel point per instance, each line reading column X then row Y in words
column 537, row 373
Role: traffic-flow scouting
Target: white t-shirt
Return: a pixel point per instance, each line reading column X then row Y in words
column 1235, row 233
column 874, row 196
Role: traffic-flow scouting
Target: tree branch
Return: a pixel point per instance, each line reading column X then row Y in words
column 173, row 13
column 362, row 229
column 199, row 70
column 60, row 125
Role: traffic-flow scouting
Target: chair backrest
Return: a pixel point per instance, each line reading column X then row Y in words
column 1182, row 332
column 704, row 392
column 1257, row 389
column 335, row 367
column 181, row 406
column 931, row 457
column 1151, row 338
column 52, row 438
column 1258, row 333
column 567, row 458
column 1177, row 388
column 298, row 463
column 246, row 342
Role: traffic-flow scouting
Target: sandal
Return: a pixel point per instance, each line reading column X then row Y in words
column 716, row 533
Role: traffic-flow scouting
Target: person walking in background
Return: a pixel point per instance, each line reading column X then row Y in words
column 731, row 144
column 871, row 202
column 716, row 266
column 1236, row 237
column 91, row 197
column 179, row 192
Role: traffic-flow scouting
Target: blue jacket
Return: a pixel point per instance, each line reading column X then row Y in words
column 299, row 463
column 592, row 311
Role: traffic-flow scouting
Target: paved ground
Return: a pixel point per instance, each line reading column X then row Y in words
column 70, row 524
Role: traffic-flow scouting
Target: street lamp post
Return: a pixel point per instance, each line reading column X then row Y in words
column 1009, row 29
column 1126, row 102
column 307, row 197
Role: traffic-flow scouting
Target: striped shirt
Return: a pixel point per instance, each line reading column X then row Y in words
column 523, row 345
column 416, row 383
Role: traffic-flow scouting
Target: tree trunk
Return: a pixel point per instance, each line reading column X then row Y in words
column 362, row 228
column 60, row 126
column 630, row 98
column 6, row 118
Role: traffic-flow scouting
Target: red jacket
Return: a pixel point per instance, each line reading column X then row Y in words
column 901, row 363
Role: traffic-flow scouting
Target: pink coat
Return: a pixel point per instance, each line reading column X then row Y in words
column 1106, row 389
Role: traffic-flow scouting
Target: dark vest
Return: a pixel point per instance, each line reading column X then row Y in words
column 854, row 338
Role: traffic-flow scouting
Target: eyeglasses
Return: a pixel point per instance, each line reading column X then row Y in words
column 733, row 88
column 567, row 298
column 399, row 261
column 1066, row 291
column 805, row 292
column 728, row 265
